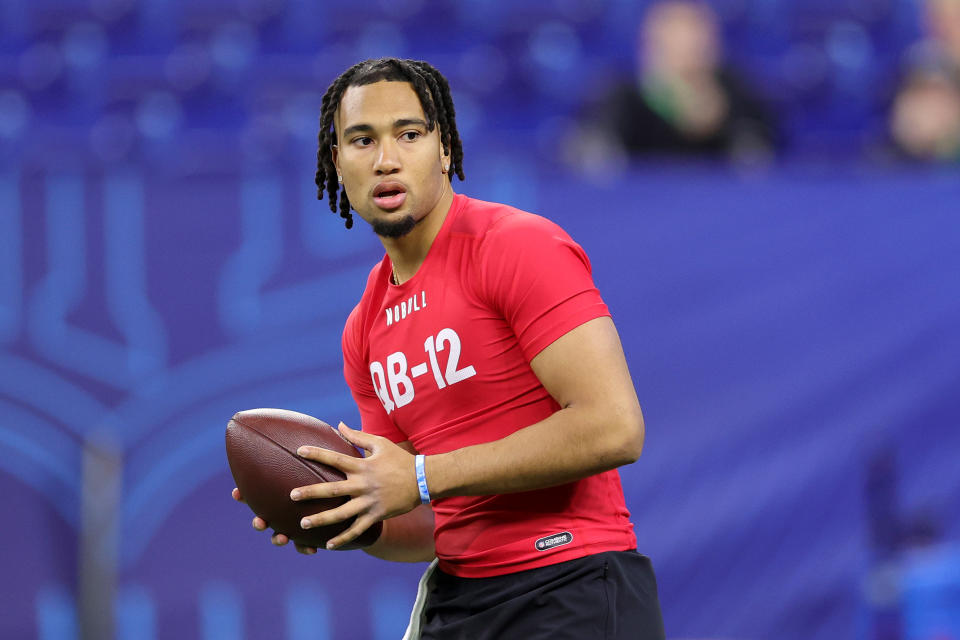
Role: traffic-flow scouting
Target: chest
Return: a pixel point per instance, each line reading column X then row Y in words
column 437, row 353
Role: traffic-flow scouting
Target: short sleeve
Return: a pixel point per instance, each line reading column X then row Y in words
column 539, row 279
column 373, row 416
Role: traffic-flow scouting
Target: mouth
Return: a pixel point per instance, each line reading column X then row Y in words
column 389, row 195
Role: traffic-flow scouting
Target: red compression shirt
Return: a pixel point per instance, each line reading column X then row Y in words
column 443, row 360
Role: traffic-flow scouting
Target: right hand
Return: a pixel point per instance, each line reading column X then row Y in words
column 278, row 539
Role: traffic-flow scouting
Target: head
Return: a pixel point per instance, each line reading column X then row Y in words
column 925, row 120
column 387, row 124
column 942, row 19
column 678, row 38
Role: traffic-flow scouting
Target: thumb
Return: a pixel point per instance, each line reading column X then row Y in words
column 357, row 438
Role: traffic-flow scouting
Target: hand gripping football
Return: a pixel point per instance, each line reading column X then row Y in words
column 262, row 451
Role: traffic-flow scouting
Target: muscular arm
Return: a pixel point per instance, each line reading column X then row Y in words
column 599, row 426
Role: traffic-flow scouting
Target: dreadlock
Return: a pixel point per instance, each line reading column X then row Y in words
column 432, row 89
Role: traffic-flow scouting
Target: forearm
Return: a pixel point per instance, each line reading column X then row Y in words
column 406, row 538
column 571, row 444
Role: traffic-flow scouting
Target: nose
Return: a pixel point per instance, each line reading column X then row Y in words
column 388, row 158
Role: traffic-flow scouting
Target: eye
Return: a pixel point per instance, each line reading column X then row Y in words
column 363, row 141
column 410, row 136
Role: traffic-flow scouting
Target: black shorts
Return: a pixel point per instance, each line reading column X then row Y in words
column 607, row 596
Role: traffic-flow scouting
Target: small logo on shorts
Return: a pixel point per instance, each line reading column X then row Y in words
column 554, row 540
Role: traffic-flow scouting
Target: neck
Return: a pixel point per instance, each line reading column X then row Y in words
column 409, row 252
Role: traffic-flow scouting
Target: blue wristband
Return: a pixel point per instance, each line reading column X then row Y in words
column 421, row 480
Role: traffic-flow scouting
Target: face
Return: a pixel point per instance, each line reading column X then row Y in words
column 943, row 21
column 392, row 165
column 680, row 37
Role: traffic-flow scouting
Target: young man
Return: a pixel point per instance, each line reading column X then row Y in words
column 494, row 396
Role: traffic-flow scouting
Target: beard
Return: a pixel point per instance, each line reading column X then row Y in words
column 394, row 229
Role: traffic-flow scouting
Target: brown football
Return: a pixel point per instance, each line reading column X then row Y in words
column 262, row 451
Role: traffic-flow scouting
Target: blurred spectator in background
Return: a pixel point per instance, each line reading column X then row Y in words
column 942, row 18
column 925, row 117
column 912, row 584
column 683, row 99
column 925, row 121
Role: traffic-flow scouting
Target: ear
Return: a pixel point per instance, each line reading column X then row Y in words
column 334, row 148
column 335, row 156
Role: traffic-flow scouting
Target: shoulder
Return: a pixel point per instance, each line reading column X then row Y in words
column 515, row 246
column 495, row 225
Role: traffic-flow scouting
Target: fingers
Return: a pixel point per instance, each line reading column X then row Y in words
column 358, row 438
column 359, row 526
column 324, row 490
column 347, row 464
column 258, row 523
column 277, row 539
column 345, row 511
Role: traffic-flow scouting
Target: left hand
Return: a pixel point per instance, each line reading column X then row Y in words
column 278, row 539
column 381, row 485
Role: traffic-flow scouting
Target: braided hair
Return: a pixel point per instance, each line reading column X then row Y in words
column 432, row 89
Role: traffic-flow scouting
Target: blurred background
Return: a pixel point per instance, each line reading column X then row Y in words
column 769, row 193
